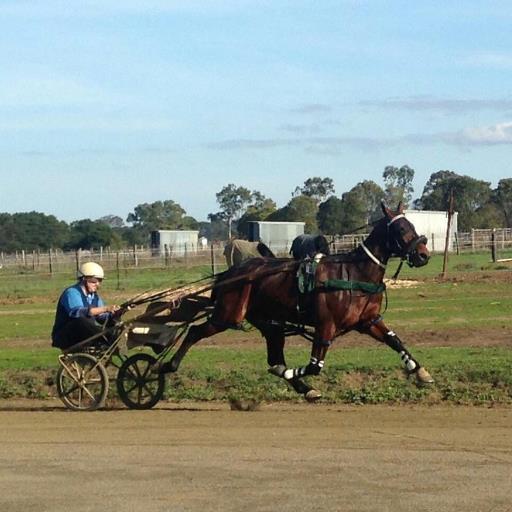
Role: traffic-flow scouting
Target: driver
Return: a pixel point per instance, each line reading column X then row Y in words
column 80, row 309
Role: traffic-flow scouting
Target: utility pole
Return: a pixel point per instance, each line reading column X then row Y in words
column 447, row 239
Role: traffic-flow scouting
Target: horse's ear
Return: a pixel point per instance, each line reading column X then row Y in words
column 387, row 212
column 400, row 208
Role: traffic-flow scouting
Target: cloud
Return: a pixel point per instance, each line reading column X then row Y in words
column 302, row 129
column 312, row 108
column 424, row 103
column 500, row 133
column 311, row 144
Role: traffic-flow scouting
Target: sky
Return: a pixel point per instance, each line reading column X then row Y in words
column 106, row 104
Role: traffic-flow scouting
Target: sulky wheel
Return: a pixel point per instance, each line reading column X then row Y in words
column 82, row 382
column 137, row 385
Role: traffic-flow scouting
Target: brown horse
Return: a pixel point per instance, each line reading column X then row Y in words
column 345, row 294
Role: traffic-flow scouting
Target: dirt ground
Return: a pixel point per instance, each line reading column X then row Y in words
column 279, row 458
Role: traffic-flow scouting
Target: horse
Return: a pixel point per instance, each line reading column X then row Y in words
column 308, row 246
column 237, row 251
column 346, row 296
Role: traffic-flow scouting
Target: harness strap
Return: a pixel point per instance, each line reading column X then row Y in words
column 342, row 284
column 400, row 216
column 372, row 257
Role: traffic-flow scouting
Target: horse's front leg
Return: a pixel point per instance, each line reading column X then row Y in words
column 381, row 332
column 275, row 338
column 316, row 363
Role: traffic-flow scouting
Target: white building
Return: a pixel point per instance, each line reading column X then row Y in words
column 175, row 242
column 433, row 225
column 278, row 236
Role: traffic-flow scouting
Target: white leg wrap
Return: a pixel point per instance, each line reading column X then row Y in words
column 409, row 363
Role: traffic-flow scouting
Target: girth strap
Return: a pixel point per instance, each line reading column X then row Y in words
column 342, row 284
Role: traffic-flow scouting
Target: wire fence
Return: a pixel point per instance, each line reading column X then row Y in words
column 55, row 261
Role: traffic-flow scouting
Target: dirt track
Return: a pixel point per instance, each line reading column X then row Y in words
column 280, row 458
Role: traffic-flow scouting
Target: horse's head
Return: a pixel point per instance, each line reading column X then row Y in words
column 403, row 241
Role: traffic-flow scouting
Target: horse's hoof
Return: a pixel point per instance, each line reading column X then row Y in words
column 313, row 395
column 277, row 370
column 423, row 378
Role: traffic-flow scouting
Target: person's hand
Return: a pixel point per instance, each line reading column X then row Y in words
column 113, row 309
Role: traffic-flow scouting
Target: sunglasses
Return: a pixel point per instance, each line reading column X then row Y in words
column 94, row 280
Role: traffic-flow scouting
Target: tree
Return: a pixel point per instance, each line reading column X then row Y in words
column 31, row 231
column 88, row 234
column 149, row 217
column 471, row 196
column 299, row 209
column 360, row 206
column 434, row 192
column 218, row 227
column 260, row 208
column 502, row 197
column 398, row 184
column 317, row 188
column 353, row 212
column 330, row 216
column 233, row 202
column 112, row 220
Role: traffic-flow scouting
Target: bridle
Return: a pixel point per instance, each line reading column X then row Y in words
column 405, row 253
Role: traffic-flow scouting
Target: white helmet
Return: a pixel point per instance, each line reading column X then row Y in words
column 90, row 269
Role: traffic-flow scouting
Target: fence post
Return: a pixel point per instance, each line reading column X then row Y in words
column 50, row 263
column 447, row 238
column 212, row 253
column 135, row 259
column 77, row 259
column 493, row 245
column 117, row 271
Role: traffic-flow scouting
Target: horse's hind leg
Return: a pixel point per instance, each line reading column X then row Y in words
column 380, row 332
column 230, row 311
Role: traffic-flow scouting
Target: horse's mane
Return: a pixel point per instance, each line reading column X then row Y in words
column 354, row 256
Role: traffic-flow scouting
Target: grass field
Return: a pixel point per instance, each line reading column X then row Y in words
column 475, row 297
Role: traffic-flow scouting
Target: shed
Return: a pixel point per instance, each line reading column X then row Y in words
column 433, row 224
column 177, row 242
column 278, row 236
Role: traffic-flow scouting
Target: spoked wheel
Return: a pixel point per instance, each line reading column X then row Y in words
column 82, row 382
column 137, row 386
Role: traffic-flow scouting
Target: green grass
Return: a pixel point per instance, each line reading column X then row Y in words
column 43, row 287
column 448, row 305
column 429, row 305
column 356, row 375
column 466, row 262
